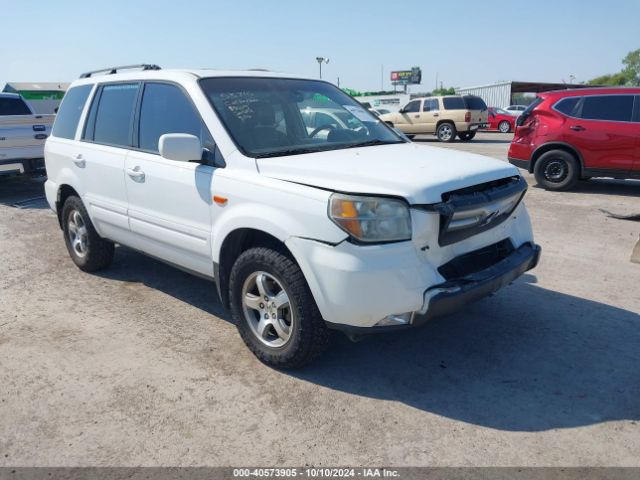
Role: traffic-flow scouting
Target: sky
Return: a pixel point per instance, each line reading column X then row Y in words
column 464, row 43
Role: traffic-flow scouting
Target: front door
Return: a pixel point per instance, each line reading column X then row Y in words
column 169, row 201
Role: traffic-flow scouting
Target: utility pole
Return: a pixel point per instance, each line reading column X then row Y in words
column 338, row 82
column 320, row 61
column 436, row 80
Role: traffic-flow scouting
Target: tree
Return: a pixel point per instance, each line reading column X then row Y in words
column 632, row 67
column 444, row 91
column 630, row 74
column 615, row 79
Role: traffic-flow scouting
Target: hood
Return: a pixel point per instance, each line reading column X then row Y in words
column 420, row 174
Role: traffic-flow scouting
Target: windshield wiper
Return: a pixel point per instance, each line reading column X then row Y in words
column 299, row 151
column 369, row 143
column 282, row 153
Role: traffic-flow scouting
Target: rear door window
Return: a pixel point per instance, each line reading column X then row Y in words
column 114, row 115
column 454, row 103
column 430, row 105
column 617, row 108
column 68, row 116
column 165, row 108
column 13, row 106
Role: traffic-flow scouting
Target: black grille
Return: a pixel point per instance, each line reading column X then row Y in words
column 476, row 261
column 472, row 210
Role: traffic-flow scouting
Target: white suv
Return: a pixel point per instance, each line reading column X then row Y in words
column 217, row 173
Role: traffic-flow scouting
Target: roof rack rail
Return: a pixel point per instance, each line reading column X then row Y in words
column 112, row 70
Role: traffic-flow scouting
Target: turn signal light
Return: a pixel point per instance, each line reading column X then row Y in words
column 220, row 200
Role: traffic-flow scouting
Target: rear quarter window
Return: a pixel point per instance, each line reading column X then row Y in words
column 68, row 116
column 454, row 103
column 13, row 106
column 475, row 103
column 568, row 106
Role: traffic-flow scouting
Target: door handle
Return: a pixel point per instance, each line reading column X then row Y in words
column 79, row 161
column 417, row 116
column 136, row 174
column 577, row 128
column 436, row 114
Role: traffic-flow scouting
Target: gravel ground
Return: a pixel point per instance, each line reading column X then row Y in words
column 140, row 365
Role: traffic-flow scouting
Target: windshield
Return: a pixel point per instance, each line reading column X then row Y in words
column 269, row 117
column 502, row 111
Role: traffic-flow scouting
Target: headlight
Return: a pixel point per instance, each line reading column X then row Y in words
column 371, row 219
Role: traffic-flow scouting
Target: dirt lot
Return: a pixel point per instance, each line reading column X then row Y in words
column 140, row 365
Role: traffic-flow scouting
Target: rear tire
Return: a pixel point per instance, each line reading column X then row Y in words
column 446, row 132
column 466, row 136
column 557, row 170
column 504, row 127
column 274, row 309
column 86, row 248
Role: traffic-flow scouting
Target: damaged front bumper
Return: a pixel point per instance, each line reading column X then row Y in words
column 449, row 297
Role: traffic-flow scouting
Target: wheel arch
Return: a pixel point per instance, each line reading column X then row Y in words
column 445, row 120
column 542, row 149
column 64, row 191
column 231, row 247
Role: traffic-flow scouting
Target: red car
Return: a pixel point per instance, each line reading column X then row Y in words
column 501, row 120
column 568, row 135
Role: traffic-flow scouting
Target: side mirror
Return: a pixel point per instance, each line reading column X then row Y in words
column 401, row 110
column 180, row 147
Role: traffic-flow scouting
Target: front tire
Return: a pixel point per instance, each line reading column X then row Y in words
column 274, row 309
column 446, row 132
column 86, row 248
column 466, row 136
column 504, row 127
column 557, row 170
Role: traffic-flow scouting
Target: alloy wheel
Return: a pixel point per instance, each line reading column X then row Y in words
column 445, row 132
column 77, row 233
column 267, row 309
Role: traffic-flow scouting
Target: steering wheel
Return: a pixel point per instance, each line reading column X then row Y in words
column 328, row 126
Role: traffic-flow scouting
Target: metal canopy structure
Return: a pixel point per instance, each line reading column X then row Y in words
column 501, row 94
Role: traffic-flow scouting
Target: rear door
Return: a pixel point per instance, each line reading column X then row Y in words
column 602, row 130
column 99, row 158
column 169, row 201
column 429, row 116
